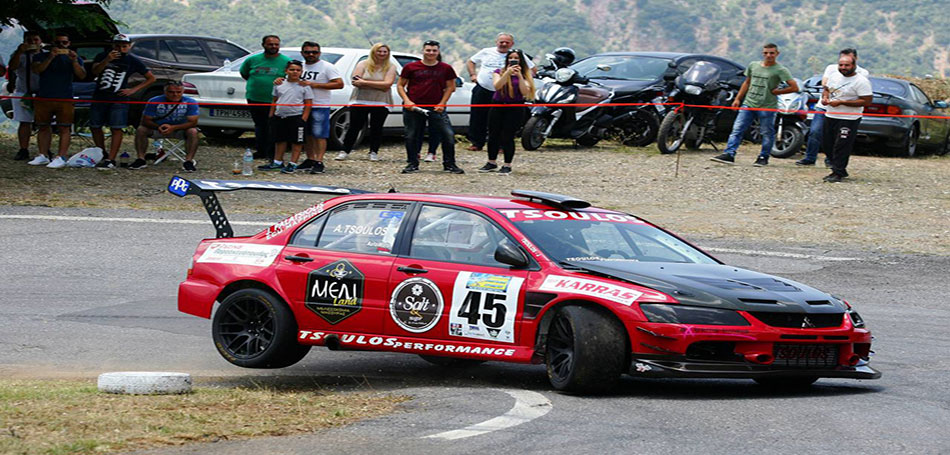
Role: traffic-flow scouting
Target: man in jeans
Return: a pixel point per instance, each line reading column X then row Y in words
column 818, row 120
column 759, row 91
column 846, row 93
column 429, row 83
column 259, row 71
column 488, row 60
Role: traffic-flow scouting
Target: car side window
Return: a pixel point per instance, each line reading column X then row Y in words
column 225, row 51
column 307, row 235
column 405, row 60
column 364, row 227
column 453, row 235
column 188, row 51
column 145, row 49
column 919, row 95
column 165, row 53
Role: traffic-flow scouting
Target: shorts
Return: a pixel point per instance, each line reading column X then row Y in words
column 319, row 122
column 113, row 115
column 288, row 129
column 22, row 109
column 44, row 111
column 154, row 134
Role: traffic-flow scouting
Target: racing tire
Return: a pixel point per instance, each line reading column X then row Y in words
column 787, row 382
column 532, row 135
column 789, row 144
column 587, row 140
column 254, row 328
column 450, row 362
column 339, row 125
column 585, row 350
column 221, row 133
column 670, row 136
column 644, row 127
column 909, row 144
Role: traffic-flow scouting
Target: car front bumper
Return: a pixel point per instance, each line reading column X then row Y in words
column 656, row 367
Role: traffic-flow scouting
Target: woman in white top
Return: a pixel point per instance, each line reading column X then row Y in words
column 372, row 83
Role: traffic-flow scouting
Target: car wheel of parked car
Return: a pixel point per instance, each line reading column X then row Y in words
column 670, row 136
column 789, row 144
column 586, row 349
column 785, row 383
column 532, row 135
column 450, row 362
column 339, row 125
column 221, row 133
column 946, row 146
column 254, row 328
column 909, row 146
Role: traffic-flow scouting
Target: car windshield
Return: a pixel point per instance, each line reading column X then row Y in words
column 291, row 54
column 601, row 236
column 888, row 87
column 624, row 67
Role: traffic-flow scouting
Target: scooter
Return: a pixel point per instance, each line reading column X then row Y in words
column 791, row 126
column 693, row 126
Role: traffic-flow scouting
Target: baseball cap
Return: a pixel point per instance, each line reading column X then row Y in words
column 120, row 38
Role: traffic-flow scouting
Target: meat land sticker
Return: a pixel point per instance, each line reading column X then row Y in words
column 335, row 291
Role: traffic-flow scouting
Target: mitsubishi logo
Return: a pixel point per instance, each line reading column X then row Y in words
column 807, row 324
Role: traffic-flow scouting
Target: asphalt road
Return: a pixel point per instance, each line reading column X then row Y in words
column 85, row 297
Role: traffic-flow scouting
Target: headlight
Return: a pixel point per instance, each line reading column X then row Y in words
column 856, row 319
column 679, row 314
column 693, row 89
column 564, row 74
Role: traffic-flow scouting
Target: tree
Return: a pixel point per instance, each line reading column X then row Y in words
column 52, row 14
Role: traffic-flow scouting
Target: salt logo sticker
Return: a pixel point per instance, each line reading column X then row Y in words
column 606, row 291
column 416, row 305
column 484, row 306
column 241, row 254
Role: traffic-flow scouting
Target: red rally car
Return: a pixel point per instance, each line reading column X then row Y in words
column 537, row 278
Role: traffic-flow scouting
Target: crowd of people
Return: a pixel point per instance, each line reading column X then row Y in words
column 288, row 101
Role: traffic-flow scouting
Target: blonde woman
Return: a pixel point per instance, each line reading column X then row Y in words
column 372, row 83
column 513, row 86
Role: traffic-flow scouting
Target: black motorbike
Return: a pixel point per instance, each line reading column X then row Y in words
column 581, row 112
column 693, row 126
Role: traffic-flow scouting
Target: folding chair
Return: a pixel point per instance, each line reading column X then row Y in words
column 165, row 146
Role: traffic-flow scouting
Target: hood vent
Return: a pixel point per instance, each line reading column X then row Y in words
column 760, row 301
column 818, row 302
column 767, row 284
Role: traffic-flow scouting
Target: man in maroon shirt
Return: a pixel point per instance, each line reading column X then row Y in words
column 425, row 86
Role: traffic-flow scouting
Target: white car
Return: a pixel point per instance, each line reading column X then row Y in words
column 223, row 108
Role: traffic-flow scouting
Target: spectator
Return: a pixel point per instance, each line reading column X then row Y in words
column 513, row 85
column 170, row 115
column 488, row 60
column 113, row 69
column 434, row 138
column 430, row 83
column 818, row 120
column 373, row 79
column 57, row 69
column 26, row 84
column 321, row 76
column 289, row 112
column 845, row 95
column 259, row 71
column 759, row 91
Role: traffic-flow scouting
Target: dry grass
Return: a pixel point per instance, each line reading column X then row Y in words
column 72, row 417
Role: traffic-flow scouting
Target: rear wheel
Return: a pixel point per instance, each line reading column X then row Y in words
column 585, row 350
column 670, row 136
column 253, row 328
column 908, row 146
column 794, row 382
column 946, row 146
column 532, row 135
column 587, row 140
column 642, row 130
column 789, row 144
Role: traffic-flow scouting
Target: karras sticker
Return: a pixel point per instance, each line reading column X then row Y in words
column 416, row 305
column 335, row 291
column 531, row 214
column 484, row 306
column 241, row 254
column 607, row 291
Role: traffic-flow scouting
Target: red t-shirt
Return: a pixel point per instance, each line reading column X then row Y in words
column 426, row 83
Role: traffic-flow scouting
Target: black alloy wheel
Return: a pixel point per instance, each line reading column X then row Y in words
column 585, row 350
column 339, row 125
column 254, row 329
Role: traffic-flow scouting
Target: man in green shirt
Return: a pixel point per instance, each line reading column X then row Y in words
column 260, row 70
column 759, row 91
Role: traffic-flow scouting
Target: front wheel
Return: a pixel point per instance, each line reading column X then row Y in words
column 585, row 350
column 533, row 133
column 790, row 143
column 672, row 132
column 641, row 130
column 253, row 328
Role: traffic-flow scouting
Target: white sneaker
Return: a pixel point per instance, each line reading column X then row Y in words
column 430, row 157
column 39, row 160
column 373, row 156
column 57, row 163
column 341, row 156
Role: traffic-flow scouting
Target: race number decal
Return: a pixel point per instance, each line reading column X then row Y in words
column 484, row 306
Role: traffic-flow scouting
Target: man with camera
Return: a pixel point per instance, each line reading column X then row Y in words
column 110, row 101
column 57, row 69
column 24, row 83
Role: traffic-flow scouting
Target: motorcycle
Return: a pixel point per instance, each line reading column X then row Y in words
column 588, row 124
column 791, row 127
column 693, row 126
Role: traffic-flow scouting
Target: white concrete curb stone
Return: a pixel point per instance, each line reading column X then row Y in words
column 145, row 383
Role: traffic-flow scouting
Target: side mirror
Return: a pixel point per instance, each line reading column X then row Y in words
column 458, row 81
column 506, row 253
column 941, row 104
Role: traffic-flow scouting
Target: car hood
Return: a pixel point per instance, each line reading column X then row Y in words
column 719, row 286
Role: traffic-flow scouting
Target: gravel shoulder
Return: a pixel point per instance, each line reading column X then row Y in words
column 890, row 204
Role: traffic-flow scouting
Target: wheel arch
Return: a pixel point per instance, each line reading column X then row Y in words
column 235, row 286
column 547, row 316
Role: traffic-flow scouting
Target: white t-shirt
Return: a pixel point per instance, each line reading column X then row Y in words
column 833, row 69
column 320, row 72
column 293, row 94
column 847, row 89
column 488, row 60
column 22, row 71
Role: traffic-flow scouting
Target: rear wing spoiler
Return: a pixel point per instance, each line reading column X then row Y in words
column 206, row 189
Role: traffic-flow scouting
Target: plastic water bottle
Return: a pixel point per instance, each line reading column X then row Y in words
column 124, row 159
column 248, row 168
column 159, row 145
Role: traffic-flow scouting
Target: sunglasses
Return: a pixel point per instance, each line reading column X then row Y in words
column 310, row 52
column 431, row 42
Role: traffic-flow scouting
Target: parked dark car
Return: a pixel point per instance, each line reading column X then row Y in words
column 905, row 136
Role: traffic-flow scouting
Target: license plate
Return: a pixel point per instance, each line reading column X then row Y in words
column 230, row 113
column 806, row 355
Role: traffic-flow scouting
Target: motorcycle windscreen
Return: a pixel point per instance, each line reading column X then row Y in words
column 703, row 74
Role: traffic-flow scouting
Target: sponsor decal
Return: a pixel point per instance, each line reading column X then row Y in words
column 600, row 289
column 526, row 215
column 294, row 220
column 416, row 305
column 403, row 344
column 484, row 306
column 335, row 291
column 530, row 246
column 241, row 254
column 178, row 186
column 643, row 368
